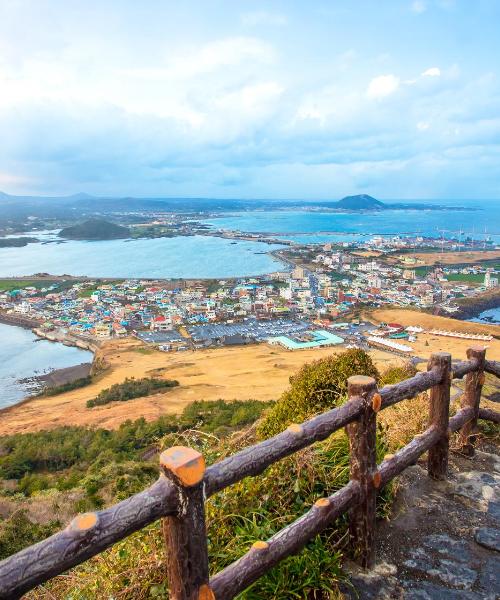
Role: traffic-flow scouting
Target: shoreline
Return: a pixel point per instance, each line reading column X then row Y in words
column 55, row 376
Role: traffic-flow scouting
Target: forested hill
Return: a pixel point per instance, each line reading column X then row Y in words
column 95, row 229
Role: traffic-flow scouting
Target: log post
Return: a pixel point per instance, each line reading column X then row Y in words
column 471, row 398
column 185, row 534
column 439, row 413
column 362, row 440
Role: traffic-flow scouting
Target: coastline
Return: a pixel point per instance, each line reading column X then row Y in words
column 55, row 376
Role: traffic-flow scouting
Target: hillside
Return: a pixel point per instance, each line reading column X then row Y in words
column 95, row 229
column 360, row 202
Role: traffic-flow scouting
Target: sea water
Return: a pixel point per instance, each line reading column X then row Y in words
column 23, row 355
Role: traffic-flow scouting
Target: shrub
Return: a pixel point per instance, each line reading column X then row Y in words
column 318, row 386
column 66, row 387
column 131, row 388
column 18, row 532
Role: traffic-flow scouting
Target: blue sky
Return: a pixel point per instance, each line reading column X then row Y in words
column 396, row 98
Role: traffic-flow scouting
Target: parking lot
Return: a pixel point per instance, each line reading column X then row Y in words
column 258, row 330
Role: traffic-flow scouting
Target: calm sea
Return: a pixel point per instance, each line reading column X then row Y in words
column 23, row 355
column 318, row 227
column 179, row 257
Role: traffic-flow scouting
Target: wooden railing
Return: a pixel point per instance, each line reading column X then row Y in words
column 179, row 495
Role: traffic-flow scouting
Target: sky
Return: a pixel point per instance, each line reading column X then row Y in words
column 399, row 99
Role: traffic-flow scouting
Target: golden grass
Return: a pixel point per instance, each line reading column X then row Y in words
column 259, row 372
column 428, row 343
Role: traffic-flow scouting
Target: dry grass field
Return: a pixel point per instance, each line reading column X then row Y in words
column 427, row 343
column 249, row 372
column 455, row 258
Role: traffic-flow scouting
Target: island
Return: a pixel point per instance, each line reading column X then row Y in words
column 360, row 202
column 17, row 242
column 95, row 229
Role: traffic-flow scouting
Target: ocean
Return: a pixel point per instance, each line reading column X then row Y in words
column 321, row 227
column 179, row 257
column 24, row 355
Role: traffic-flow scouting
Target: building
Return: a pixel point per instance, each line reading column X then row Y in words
column 489, row 280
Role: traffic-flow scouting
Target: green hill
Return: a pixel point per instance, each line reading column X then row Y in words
column 95, row 229
column 361, row 202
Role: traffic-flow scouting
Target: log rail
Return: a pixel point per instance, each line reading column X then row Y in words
column 178, row 496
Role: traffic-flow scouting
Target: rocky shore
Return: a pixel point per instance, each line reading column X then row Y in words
column 473, row 306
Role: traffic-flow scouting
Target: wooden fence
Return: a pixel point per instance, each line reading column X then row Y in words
column 179, row 495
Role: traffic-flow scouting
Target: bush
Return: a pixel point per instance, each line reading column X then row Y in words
column 18, row 532
column 131, row 388
column 397, row 373
column 318, row 386
column 66, row 387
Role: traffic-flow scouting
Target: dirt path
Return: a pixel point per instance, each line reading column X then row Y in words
column 443, row 542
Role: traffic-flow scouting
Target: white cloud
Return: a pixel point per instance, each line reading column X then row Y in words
column 432, row 72
column 262, row 17
column 222, row 53
column 423, row 125
column 419, row 6
column 382, row 86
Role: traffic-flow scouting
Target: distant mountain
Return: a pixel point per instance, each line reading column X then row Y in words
column 95, row 229
column 360, row 202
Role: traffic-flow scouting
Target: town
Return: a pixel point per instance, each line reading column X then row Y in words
column 325, row 291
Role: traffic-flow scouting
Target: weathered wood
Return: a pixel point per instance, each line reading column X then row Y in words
column 393, row 465
column 493, row 367
column 409, row 388
column 460, row 418
column 182, row 497
column 263, row 556
column 471, row 399
column 185, row 533
column 255, row 459
column 461, row 369
column 38, row 563
column 362, row 445
column 489, row 415
column 439, row 409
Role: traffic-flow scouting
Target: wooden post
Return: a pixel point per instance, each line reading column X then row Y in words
column 362, row 439
column 185, row 534
column 437, row 461
column 471, row 398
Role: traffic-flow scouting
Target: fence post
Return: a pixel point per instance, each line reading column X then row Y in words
column 362, row 440
column 439, row 412
column 471, row 398
column 185, row 534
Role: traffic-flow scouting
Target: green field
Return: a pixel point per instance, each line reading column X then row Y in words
column 6, row 285
column 466, row 277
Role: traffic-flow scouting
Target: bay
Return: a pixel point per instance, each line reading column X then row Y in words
column 179, row 257
column 24, row 355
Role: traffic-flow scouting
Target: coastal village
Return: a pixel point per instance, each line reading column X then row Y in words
column 319, row 300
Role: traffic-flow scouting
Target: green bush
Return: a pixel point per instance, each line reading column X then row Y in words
column 131, row 388
column 67, row 387
column 395, row 374
column 19, row 531
column 318, row 386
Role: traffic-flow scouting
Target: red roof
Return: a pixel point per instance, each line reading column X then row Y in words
column 159, row 319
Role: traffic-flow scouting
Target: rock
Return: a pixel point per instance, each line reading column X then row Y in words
column 494, row 511
column 450, row 572
column 448, row 547
column 488, row 537
column 423, row 590
column 489, row 579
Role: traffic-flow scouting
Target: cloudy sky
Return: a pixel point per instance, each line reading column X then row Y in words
column 235, row 98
